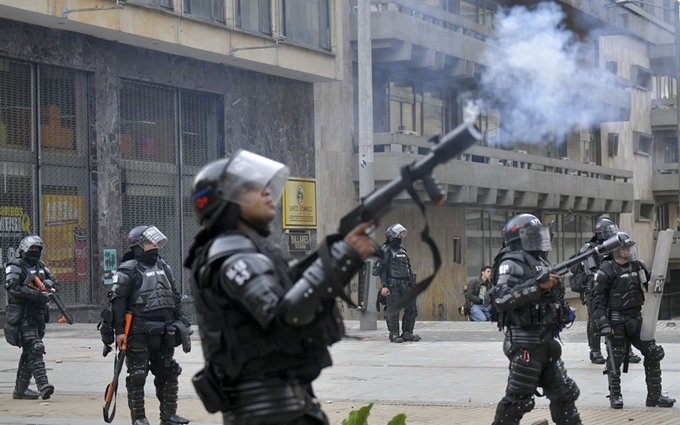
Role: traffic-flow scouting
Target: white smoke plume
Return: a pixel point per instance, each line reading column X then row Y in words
column 533, row 74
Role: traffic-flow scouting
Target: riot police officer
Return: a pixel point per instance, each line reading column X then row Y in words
column 27, row 314
column 584, row 273
column 531, row 309
column 618, row 296
column 396, row 278
column 144, row 286
column 265, row 327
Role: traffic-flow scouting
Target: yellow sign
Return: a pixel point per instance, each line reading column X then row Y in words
column 63, row 216
column 299, row 203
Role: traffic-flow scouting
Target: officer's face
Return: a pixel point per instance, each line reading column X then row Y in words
column 257, row 207
column 149, row 245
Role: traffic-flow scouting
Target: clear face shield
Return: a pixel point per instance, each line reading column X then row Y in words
column 626, row 253
column 248, row 172
column 535, row 239
column 609, row 231
column 152, row 235
column 397, row 230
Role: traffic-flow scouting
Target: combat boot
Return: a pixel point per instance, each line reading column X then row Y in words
column 633, row 358
column 40, row 374
column 596, row 357
column 659, row 400
column 408, row 336
column 174, row 420
column 21, row 390
column 541, row 422
column 616, row 401
column 396, row 338
column 141, row 421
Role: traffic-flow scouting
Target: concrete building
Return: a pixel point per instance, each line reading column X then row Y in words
column 108, row 109
column 426, row 53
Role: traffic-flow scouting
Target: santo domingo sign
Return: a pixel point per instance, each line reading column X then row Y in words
column 299, row 203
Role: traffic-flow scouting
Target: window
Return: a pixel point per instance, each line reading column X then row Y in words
column 307, row 22
column 418, row 108
column 613, row 144
column 612, row 67
column 641, row 77
column 479, row 11
column 206, row 9
column 642, row 143
column 643, row 210
column 162, row 3
column 254, row 15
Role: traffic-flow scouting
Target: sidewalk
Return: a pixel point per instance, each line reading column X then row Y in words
column 455, row 375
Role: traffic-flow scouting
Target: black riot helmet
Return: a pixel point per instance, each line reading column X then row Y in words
column 217, row 187
column 526, row 232
column 27, row 242
column 141, row 235
column 605, row 228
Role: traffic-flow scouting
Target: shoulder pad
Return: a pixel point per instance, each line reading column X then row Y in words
column 513, row 255
column 242, row 267
column 586, row 246
column 13, row 268
column 16, row 261
column 224, row 246
column 128, row 265
column 385, row 248
column 509, row 267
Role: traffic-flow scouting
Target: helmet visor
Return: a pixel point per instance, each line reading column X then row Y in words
column 248, row 172
column 152, row 235
column 626, row 253
column 397, row 230
column 609, row 231
column 536, row 238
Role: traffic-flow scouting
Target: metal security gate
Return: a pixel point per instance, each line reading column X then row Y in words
column 44, row 151
column 166, row 135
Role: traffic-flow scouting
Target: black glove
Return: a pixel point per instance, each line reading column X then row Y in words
column 605, row 330
column 44, row 297
column 49, row 283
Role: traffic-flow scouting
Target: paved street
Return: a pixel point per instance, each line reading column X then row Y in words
column 455, row 375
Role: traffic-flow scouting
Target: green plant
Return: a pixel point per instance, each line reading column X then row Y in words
column 360, row 417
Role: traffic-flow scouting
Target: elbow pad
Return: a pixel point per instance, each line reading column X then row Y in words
column 250, row 279
column 302, row 302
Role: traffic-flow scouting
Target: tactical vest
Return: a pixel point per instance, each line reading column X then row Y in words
column 33, row 310
column 237, row 347
column 155, row 292
column 548, row 311
column 398, row 265
column 625, row 285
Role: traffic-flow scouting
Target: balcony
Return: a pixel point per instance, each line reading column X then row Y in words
column 665, row 182
column 508, row 179
column 664, row 116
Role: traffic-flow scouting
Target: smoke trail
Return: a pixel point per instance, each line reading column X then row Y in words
column 533, row 74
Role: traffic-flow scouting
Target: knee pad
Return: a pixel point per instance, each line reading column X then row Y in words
column 655, row 353
column 524, row 376
column 175, row 368
column 137, row 377
column 523, row 405
column 36, row 349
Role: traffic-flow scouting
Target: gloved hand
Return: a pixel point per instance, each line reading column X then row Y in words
column 605, row 330
column 49, row 283
column 44, row 297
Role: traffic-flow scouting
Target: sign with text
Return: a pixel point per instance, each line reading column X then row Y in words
column 299, row 203
column 110, row 261
column 300, row 241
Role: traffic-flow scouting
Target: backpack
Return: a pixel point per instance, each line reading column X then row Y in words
column 466, row 308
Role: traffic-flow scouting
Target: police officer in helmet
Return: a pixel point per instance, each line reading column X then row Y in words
column 618, row 296
column 530, row 302
column 265, row 328
column 26, row 315
column 604, row 229
column 144, row 286
column 396, row 278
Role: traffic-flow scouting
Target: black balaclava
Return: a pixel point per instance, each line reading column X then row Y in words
column 395, row 243
column 32, row 257
column 148, row 257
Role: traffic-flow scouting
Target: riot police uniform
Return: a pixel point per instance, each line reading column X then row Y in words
column 396, row 275
column 26, row 316
column 144, row 286
column 264, row 327
column 604, row 229
column 618, row 296
column 531, row 318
